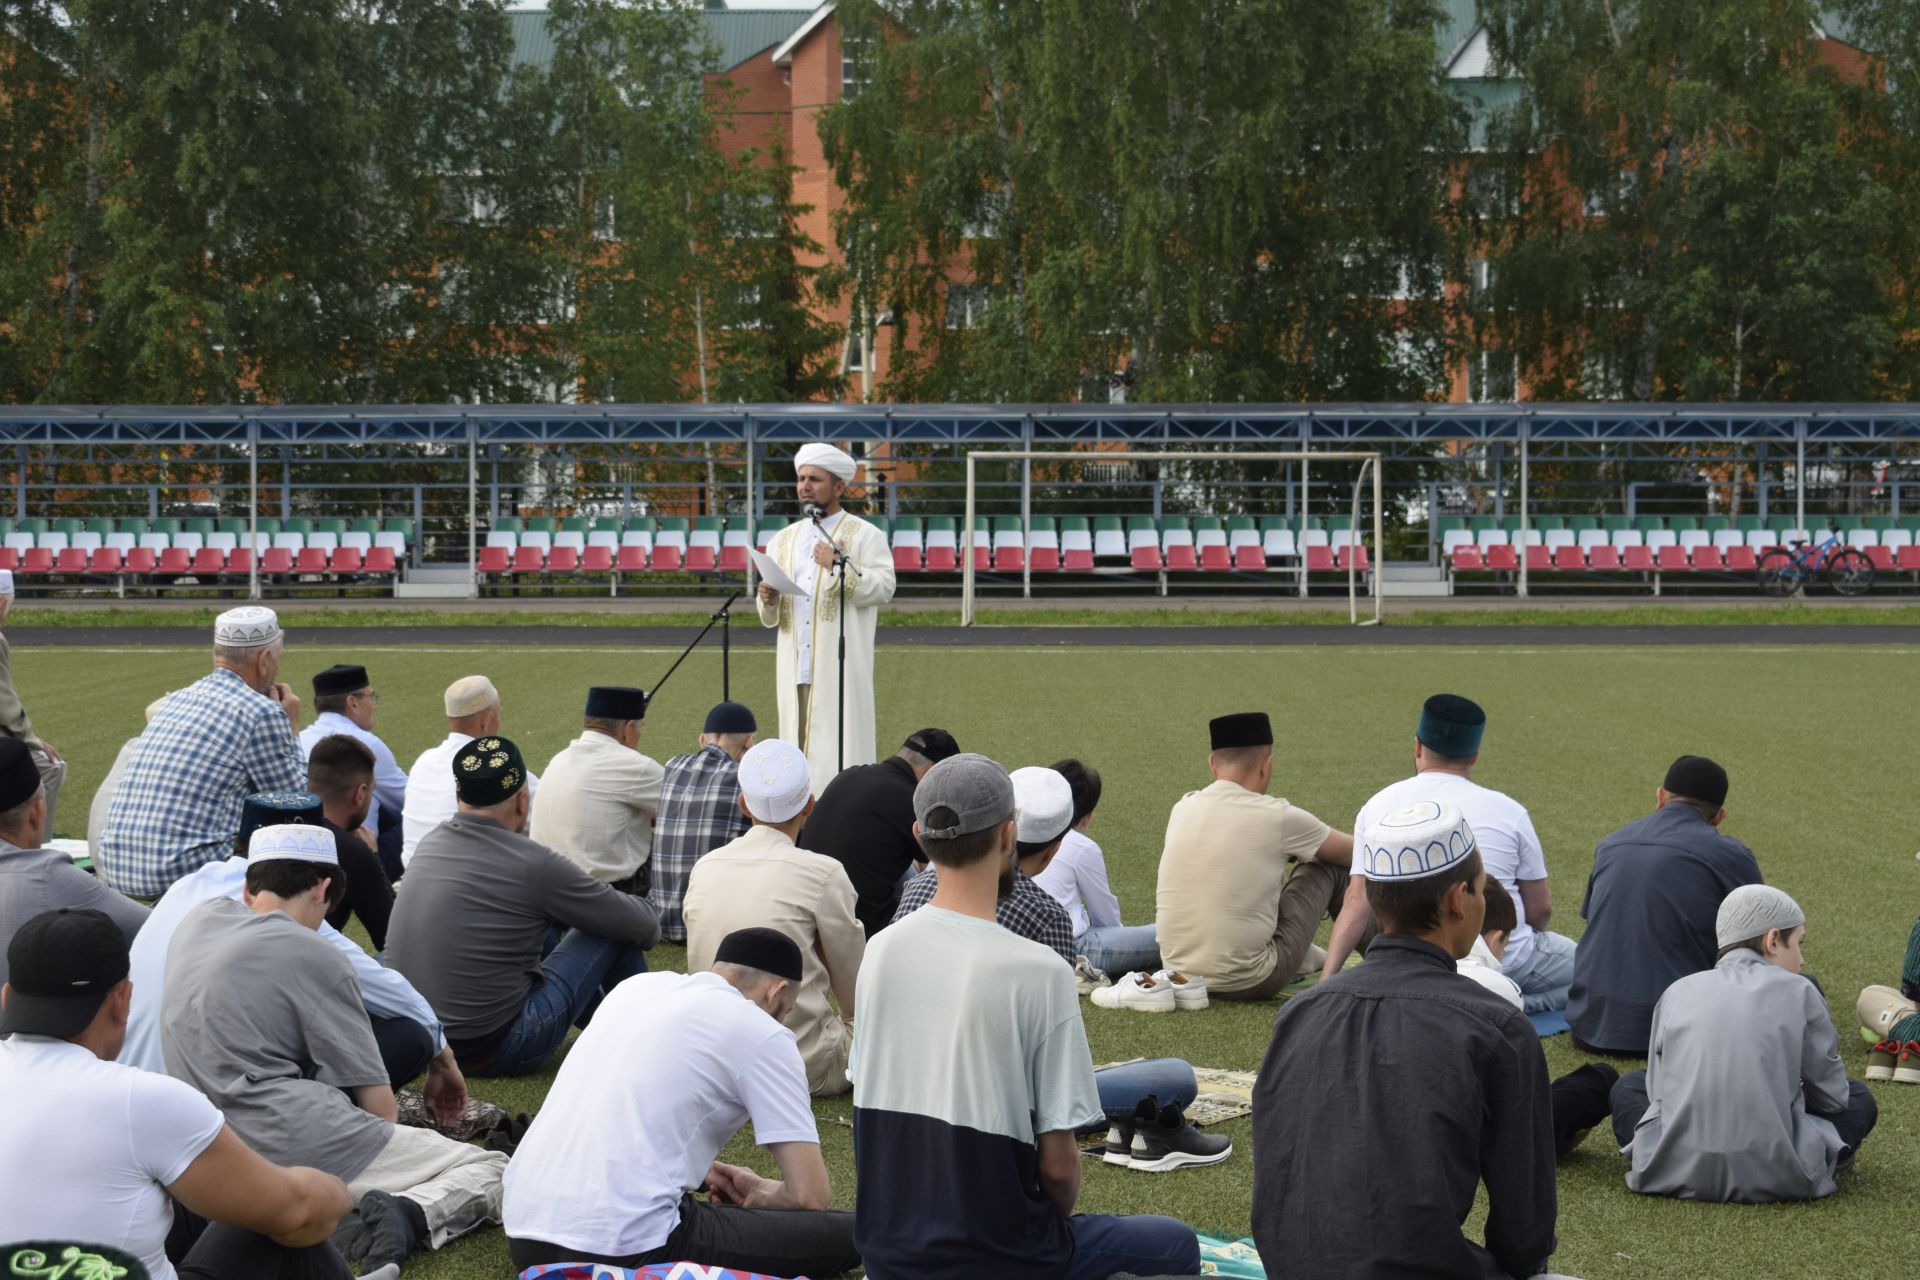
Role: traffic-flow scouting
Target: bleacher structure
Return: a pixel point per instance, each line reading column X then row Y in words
column 206, row 550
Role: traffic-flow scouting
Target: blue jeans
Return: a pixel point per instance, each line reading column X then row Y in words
column 578, row 970
column 1121, row 948
column 1167, row 1079
column 1547, row 977
column 1106, row 1244
column 1853, row 1122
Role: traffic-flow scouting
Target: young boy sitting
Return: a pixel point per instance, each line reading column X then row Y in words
column 1775, row 1118
column 1892, row 1016
column 1482, row 964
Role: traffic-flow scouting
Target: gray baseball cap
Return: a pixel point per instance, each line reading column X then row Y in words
column 975, row 788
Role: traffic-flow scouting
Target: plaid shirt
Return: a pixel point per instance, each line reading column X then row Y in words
column 1029, row 911
column 699, row 812
column 177, row 808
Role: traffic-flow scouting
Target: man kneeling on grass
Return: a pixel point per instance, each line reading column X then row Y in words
column 662, row 1078
column 1777, row 1120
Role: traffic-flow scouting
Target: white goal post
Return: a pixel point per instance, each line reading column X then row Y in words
column 1370, row 465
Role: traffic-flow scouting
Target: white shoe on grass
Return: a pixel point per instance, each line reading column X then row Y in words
column 1088, row 978
column 1188, row 992
column 1141, row 992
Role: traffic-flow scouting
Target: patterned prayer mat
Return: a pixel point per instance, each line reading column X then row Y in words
column 661, row 1271
column 1224, row 1095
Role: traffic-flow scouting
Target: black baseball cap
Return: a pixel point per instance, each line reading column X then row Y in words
column 62, row 965
column 935, row 744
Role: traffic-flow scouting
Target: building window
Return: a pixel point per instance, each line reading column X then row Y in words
column 856, row 351
column 1493, row 377
column 853, row 64
column 966, row 305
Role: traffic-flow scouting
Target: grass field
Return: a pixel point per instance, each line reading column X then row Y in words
column 1812, row 738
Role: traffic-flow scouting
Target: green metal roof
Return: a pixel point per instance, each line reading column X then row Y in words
column 734, row 35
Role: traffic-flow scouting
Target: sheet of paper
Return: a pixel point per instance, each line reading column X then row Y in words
column 772, row 574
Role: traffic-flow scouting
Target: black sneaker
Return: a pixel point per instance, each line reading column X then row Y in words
column 1169, row 1141
column 1120, row 1132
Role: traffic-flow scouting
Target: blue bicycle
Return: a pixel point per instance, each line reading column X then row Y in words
column 1786, row 571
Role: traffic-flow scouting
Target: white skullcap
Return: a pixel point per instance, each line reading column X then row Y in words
column 6, row 582
column 1421, row 840
column 774, row 780
column 470, row 695
column 1044, row 803
column 835, row 462
column 251, row 626
column 292, row 842
column 1752, row 910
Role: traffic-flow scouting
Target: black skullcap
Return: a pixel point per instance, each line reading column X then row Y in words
column 1452, row 725
column 1241, row 729
column 342, row 677
column 1697, row 778
column 19, row 775
column 61, row 966
column 488, row 771
column 275, row 809
column 731, row 717
column 616, row 702
column 935, row 744
column 767, row 950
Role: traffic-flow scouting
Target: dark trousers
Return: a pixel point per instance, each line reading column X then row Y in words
column 369, row 892
column 1854, row 1121
column 202, row 1250
column 1581, row 1099
column 781, row 1242
column 392, row 836
column 405, row 1047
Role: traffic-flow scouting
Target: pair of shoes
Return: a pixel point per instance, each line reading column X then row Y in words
column 1160, row 1139
column 1907, row 1069
column 1088, row 978
column 1161, row 992
column 1881, row 1059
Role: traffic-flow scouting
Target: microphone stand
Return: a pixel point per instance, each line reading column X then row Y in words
column 723, row 615
column 841, row 564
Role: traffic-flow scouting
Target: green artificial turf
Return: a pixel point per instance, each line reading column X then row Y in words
column 1813, row 738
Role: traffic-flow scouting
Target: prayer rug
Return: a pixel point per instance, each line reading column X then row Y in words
column 1551, row 1023
column 1230, row 1258
column 1224, row 1095
column 659, row 1271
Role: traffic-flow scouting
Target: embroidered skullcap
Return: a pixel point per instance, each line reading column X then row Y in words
column 1752, row 910
column 470, row 695
column 774, row 780
column 615, row 702
column 341, row 677
column 833, row 461
column 276, row 808
column 1451, row 725
column 730, row 717
column 6, row 582
column 1423, row 839
column 1242, row 729
column 250, row 626
column 768, row 950
column 293, row 842
column 1043, row 800
column 1697, row 778
column 19, row 775
column 488, row 771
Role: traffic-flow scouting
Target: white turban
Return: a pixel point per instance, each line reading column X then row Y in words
column 835, row 462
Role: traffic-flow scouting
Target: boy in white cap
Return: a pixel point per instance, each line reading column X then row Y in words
column 1777, row 1120
column 473, row 711
column 212, row 744
column 811, row 628
column 764, row 879
column 13, row 715
column 265, row 1018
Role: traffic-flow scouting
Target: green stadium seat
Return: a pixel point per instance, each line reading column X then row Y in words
column 168, row 525
column 100, row 525
column 576, row 524
column 1682, row 524
column 642, row 524
column 674, row 524
column 1479, row 524
column 882, row 524
column 231, row 524
column 399, row 524
column 302, row 525
column 1580, row 524
column 1748, row 524
column 366, row 524
column 1446, row 524
column 709, row 524
column 35, row 525
column 1549, row 522
column 6, row 525
column 909, row 524
column 607, row 524
column 335, row 525
column 1615, row 524
column 135, row 525
column 1649, row 524
column 1715, row 524
column 1910, row 523
column 1880, row 523
column 269, row 525
column 509, row 524
column 1208, row 524
column 944, row 524
column 542, row 524
column 68, row 525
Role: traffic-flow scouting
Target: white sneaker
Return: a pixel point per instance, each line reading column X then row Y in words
column 1088, row 978
column 1141, row 992
column 1188, row 993
column 1314, row 961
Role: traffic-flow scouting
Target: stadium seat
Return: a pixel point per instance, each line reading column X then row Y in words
column 87, row 541
column 597, row 559
column 701, row 558
column 1012, row 557
column 1109, row 538
column 380, row 561
column 631, row 559
column 71, row 562
column 121, row 542
column 495, row 559
column 733, row 557
column 19, row 543
column 174, row 561
column 310, row 560
column 1790, row 536
column 1483, row 524
column 1217, row 557
column 1357, row 553
column 1568, row 557
column 1145, row 557
column 1183, row 557
column 672, row 532
column 1278, row 543
column 1249, row 557
column 345, row 560
column 1466, row 557
column 1454, row 538
column 1211, row 531
column 1590, row 539
column 1076, row 559
column 540, row 540
column 1539, row 559
column 1672, row 558
column 1908, row 558
column 906, row 558
column 1725, row 540
column 705, row 533
column 1894, row 539
column 359, row 540
column 1043, row 559
column 291, row 543
column 941, row 558
column 1691, row 539
column 529, row 557
column 1707, row 559
column 1501, row 558
column 141, row 560
column 1861, row 537
column 1660, row 539
column 368, row 525
column 105, row 560
column 1557, row 539
column 208, row 562
column 608, row 538
column 1880, row 557
column 1491, row 538
column 1602, row 557
column 35, row 561
column 574, row 538
column 223, row 542
column 908, row 532
column 566, row 559
column 1741, row 559
column 667, row 554
column 1319, row 557
column 1585, row 524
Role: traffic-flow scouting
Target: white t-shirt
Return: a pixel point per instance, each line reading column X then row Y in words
column 1077, row 878
column 666, row 1073
column 90, row 1148
column 1483, row 967
column 1501, row 826
column 806, row 571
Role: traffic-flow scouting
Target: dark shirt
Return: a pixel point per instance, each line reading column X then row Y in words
column 1389, row 1093
column 864, row 821
column 1656, row 886
column 369, row 892
column 1029, row 910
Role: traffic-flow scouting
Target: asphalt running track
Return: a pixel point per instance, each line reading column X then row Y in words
column 1117, row 637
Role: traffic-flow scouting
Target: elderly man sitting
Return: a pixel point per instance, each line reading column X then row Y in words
column 210, row 746
column 473, row 711
column 602, row 793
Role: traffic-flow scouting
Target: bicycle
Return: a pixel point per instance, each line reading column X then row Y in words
column 1785, row 571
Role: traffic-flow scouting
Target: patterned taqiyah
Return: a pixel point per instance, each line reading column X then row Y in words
column 250, row 626
column 293, row 842
column 1414, row 842
column 774, row 780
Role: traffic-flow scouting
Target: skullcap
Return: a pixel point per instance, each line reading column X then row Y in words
column 251, row 626
column 1752, row 910
column 470, row 695
column 1423, row 839
column 1044, row 802
column 293, row 842
column 774, row 780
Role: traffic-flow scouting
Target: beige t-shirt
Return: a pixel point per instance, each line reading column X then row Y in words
column 1227, row 855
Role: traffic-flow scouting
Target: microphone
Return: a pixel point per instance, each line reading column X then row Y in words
column 814, row 511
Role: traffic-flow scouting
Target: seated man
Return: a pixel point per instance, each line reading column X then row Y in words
column 1892, row 1016
column 404, row 1026
column 699, row 810
column 33, row 879
column 14, row 721
column 864, row 821
column 1077, row 877
column 340, row 771
column 265, row 1019
column 1656, row 886
column 1045, row 805
column 1401, row 1056
column 671, row 1068
column 473, row 711
column 971, row 1074
column 472, row 925
column 602, row 793
column 76, row 1170
column 1231, row 913
column 347, row 703
column 806, row 896
column 1482, row 964
column 1778, row 1120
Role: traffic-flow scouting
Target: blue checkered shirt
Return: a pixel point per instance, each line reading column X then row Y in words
column 177, row 807
column 1029, row 911
column 699, row 812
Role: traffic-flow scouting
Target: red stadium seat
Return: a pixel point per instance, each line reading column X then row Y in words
column 563, row 560
column 1147, row 559
column 239, row 563
column 1249, row 558
column 529, row 560
column 1009, row 559
column 106, row 560
column 982, row 558
column 1079, row 560
column 1466, row 559
column 9, row 558
column 380, row 561
column 1637, row 559
column 1319, row 559
column 1044, row 560
column 1539, row 560
column 1707, row 560
column 1881, row 558
column 1569, row 558
column 1182, row 556
column 1605, row 558
column 1357, row 554
column 492, row 560
column 701, row 560
column 942, row 559
column 906, row 560
column 36, row 560
column 1216, row 557
column 311, row 560
column 733, row 559
column 72, row 560
column 345, row 560
column 1909, row 558
column 208, row 562
column 1501, row 559
column 597, row 560
column 1673, row 560
column 175, row 560
column 140, row 560
column 1742, row 559
column 665, row 560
